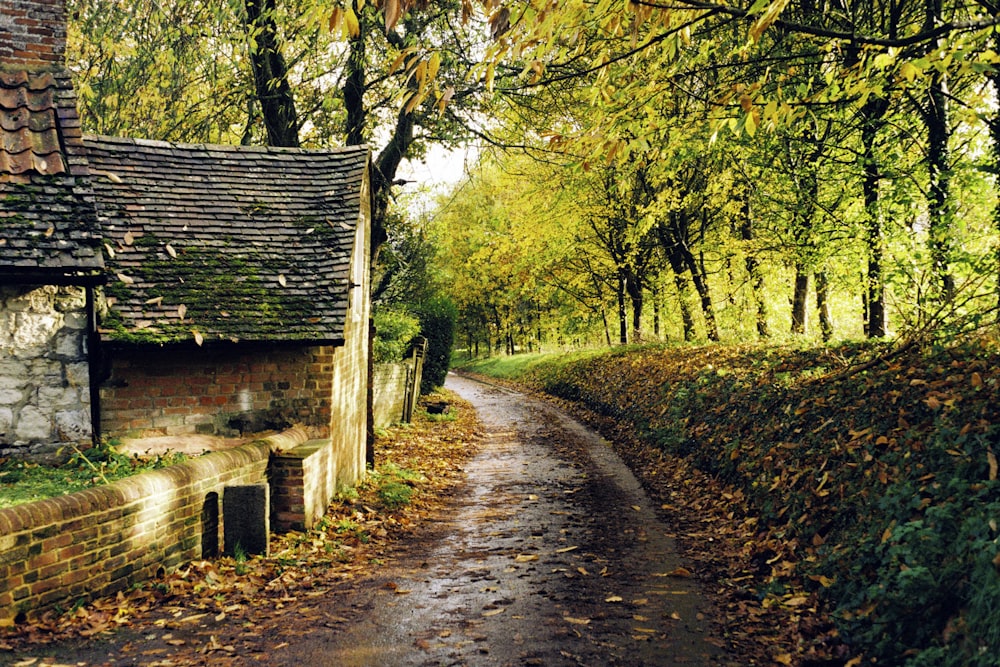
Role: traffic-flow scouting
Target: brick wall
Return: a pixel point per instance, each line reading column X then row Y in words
column 244, row 387
column 32, row 33
column 349, row 381
column 303, row 480
column 102, row 540
column 44, row 371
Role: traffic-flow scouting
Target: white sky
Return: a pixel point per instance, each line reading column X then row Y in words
column 441, row 170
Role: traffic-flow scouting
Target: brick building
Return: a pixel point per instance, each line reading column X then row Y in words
column 155, row 288
column 237, row 298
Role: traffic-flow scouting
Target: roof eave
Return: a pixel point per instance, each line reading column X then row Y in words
column 35, row 276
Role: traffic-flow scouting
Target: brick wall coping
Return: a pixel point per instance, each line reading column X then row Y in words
column 306, row 449
column 43, row 512
column 288, row 439
column 121, row 492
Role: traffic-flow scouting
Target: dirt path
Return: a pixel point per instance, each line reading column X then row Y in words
column 549, row 554
column 552, row 556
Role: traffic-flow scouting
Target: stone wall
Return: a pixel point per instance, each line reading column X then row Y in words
column 44, row 373
column 102, row 540
column 226, row 390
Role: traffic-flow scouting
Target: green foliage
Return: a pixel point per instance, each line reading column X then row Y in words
column 24, row 481
column 437, row 325
column 394, row 486
column 394, row 332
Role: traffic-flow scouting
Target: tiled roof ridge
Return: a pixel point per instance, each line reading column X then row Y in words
column 235, row 148
column 47, row 213
column 29, row 124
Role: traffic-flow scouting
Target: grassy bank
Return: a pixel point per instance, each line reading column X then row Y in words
column 873, row 492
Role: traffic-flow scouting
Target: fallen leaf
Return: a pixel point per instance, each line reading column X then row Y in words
column 129, row 238
column 676, row 572
column 566, row 550
column 525, row 558
column 494, row 612
column 991, row 458
column 281, row 280
column 170, row 251
column 125, row 279
column 181, row 311
column 613, row 598
column 576, row 621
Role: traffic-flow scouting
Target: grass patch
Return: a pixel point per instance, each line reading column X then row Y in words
column 25, row 481
column 519, row 366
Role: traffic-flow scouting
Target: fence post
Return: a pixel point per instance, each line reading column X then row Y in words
column 413, row 381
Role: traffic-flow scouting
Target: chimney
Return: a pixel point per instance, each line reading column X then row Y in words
column 32, row 34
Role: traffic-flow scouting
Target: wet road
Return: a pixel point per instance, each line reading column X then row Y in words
column 552, row 554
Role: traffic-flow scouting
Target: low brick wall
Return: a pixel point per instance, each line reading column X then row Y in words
column 389, row 393
column 303, row 481
column 99, row 541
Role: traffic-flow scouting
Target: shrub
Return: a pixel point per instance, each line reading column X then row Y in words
column 437, row 325
column 394, row 332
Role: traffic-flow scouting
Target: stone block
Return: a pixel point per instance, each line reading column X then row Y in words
column 10, row 396
column 73, row 425
column 245, row 519
column 12, row 371
column 76, row 320
column 69, row 344
column 34, row 331
column 78, row 374
column 69, row 299
column 6, row 423
column 9, row 382
column 33, row 425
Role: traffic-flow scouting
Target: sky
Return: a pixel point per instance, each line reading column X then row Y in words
column 442, row 169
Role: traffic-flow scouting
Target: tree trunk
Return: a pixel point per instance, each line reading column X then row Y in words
column 800, row 293
column 994, row 125
column 622, row 313
column 354, row 92
column 270, row 75
column 681, row 283
column 936, row 119
column 656, row 309
column 635, row 294
column 872, row 113
column 704, row 296
column 754, row 271
column 938, row 202
column 823, row 305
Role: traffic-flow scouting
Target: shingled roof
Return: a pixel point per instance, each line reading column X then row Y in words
column 227, row 242
column 48, row 224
